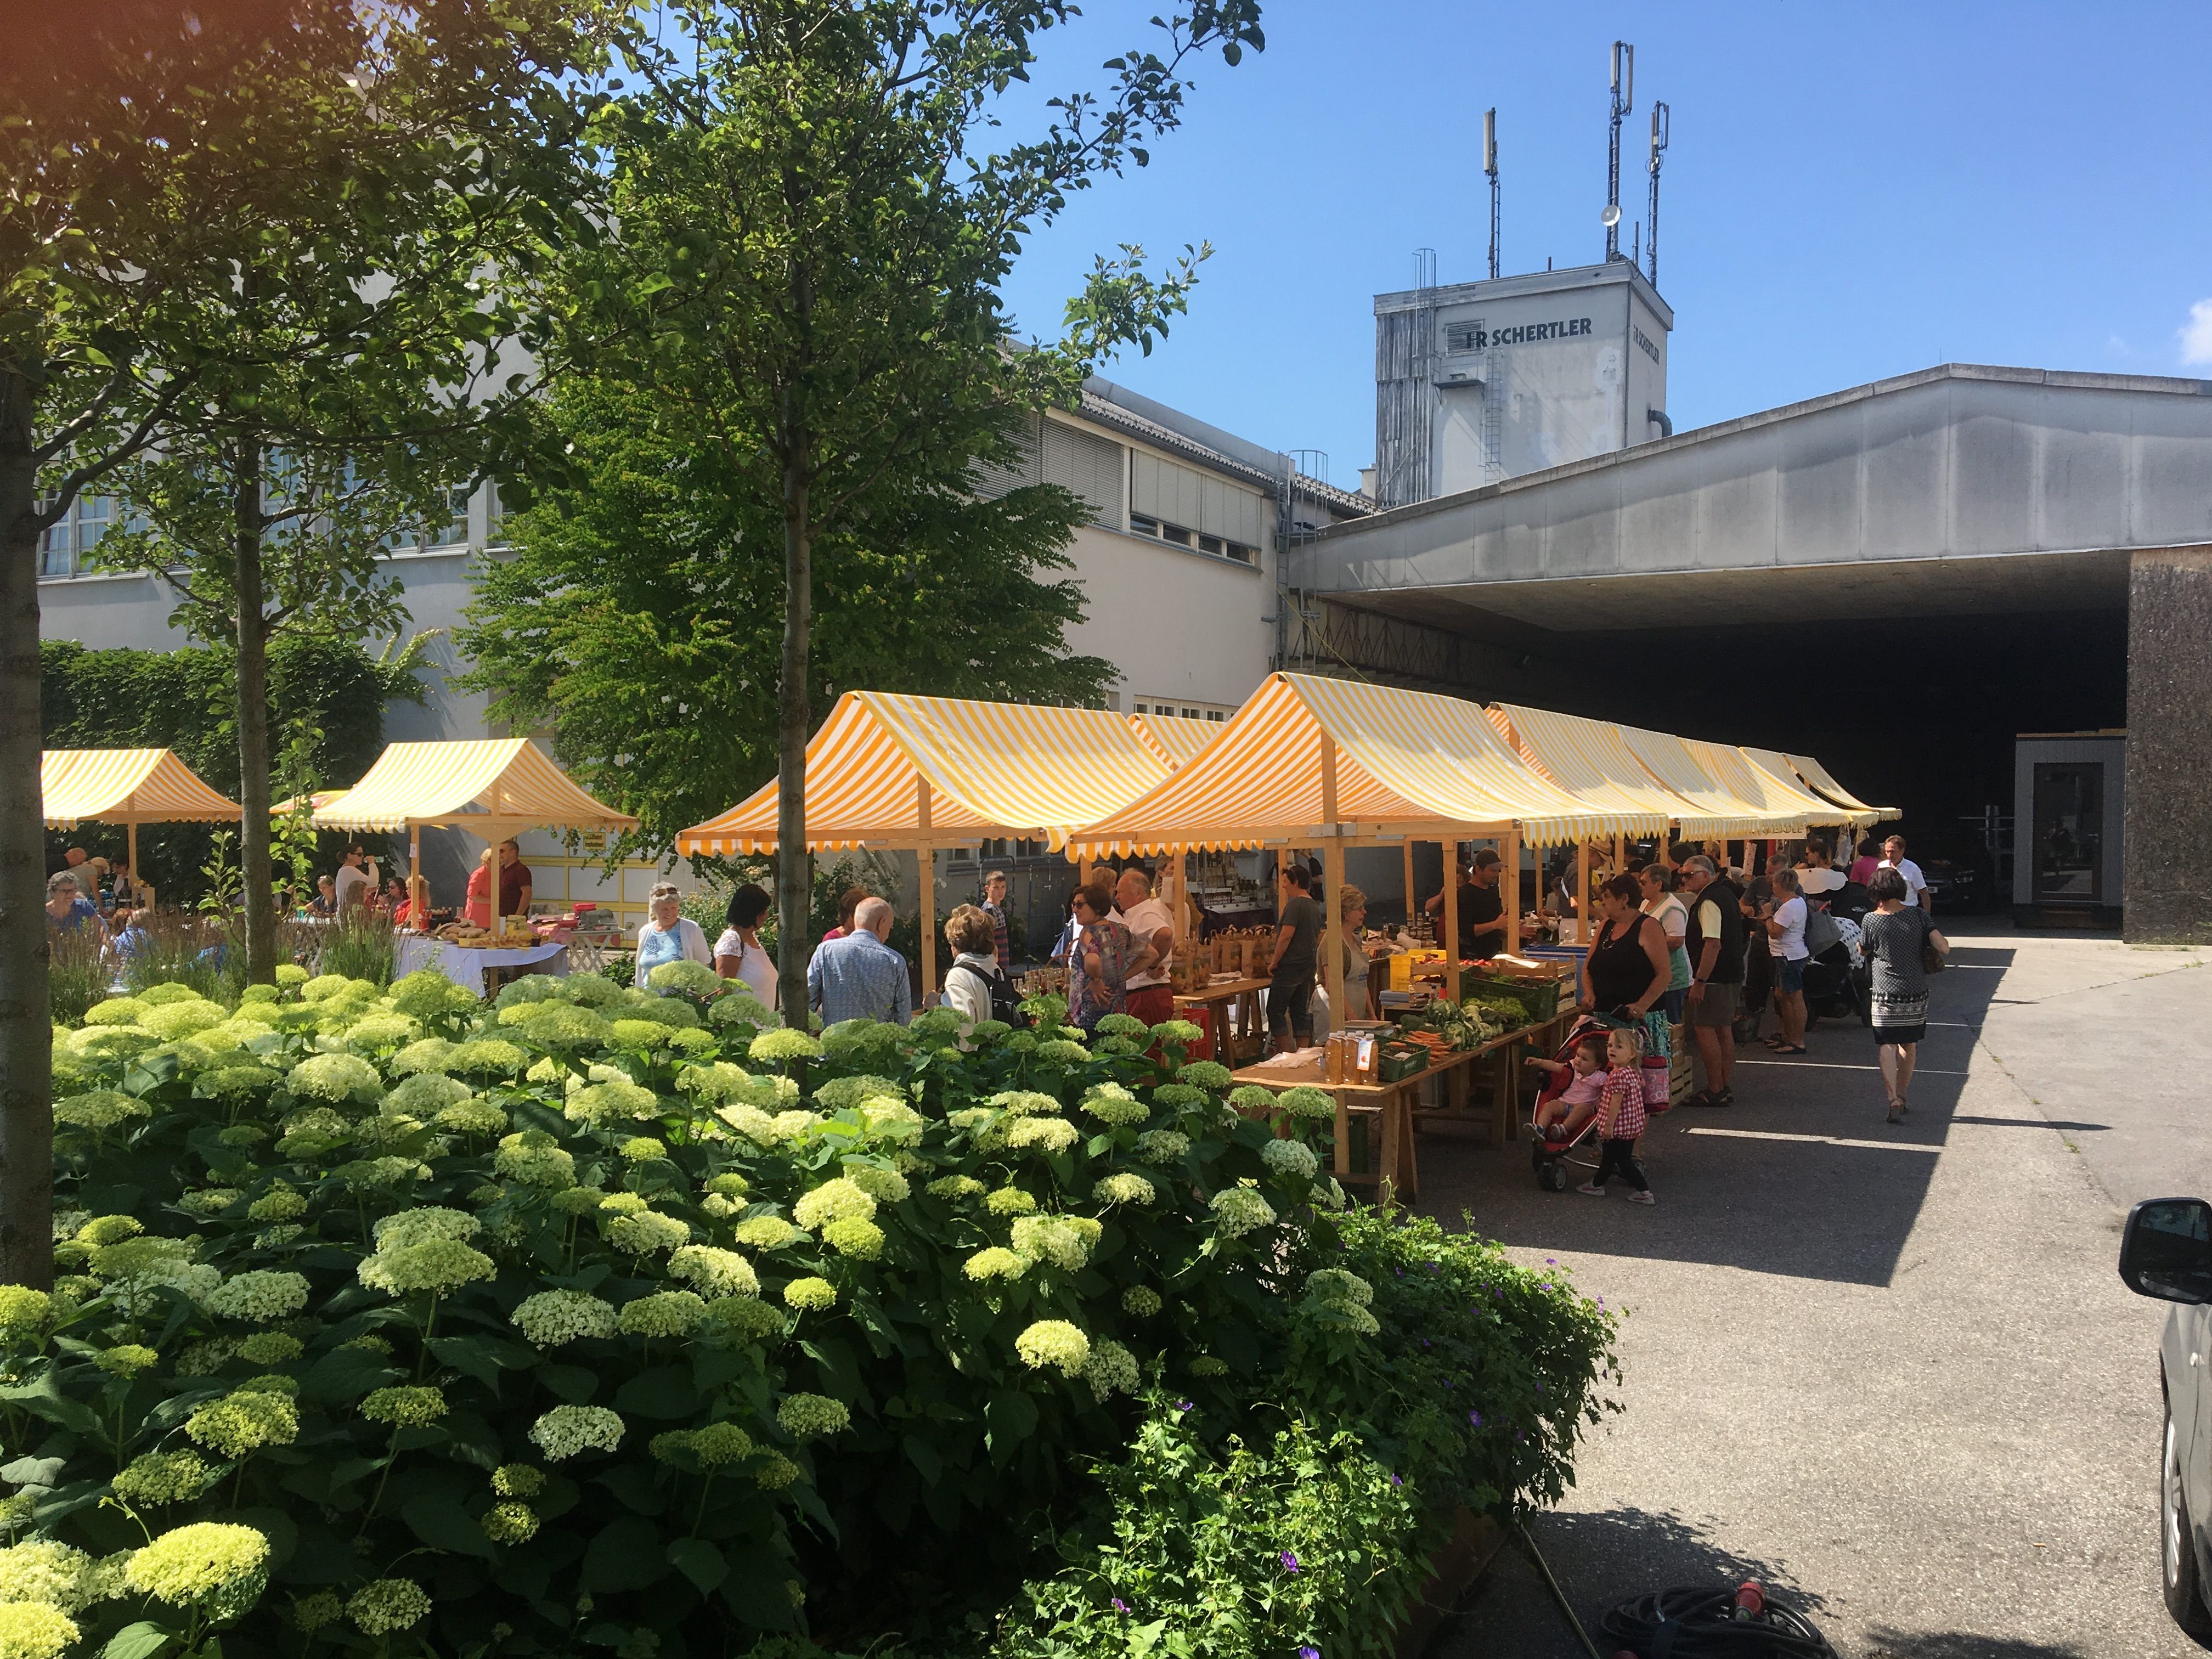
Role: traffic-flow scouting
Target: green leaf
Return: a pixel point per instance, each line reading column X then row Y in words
column 140, row 1641
column 481, row 1358
column 627, row 1555
column 345, row 1375
column 440, row 1521
column 1008, row 1418
column 573, row 1383
column 925, row 1458
column 699, row 1561
column 664, row 1392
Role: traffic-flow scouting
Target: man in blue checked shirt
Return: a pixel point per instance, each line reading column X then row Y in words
column 860, row 976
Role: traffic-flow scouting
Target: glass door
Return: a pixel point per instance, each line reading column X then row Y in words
column 2069, row 826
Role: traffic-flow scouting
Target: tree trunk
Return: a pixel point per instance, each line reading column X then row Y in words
column 255, row 876
column 794, row 895
column 27, row 1122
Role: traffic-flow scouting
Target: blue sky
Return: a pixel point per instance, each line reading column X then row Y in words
column 1851, row 192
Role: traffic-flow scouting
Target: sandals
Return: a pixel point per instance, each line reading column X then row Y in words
column 1711, row 1097
column 1781, row 1048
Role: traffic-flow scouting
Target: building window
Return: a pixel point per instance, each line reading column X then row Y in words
column 454, row 532
column 1463, row 337
column 1182, row 710
column 64, row 550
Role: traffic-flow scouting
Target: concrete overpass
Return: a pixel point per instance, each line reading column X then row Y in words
column 1960, row 492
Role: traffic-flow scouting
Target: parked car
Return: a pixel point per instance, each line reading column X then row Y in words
column 1958, row 889
column 2165, row 1251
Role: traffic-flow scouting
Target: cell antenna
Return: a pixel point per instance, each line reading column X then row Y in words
column 1659, row 116
column 1490, row 167
column 1624, row 100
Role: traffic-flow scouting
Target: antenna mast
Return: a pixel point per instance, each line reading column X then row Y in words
column 1624, row 100
column 1490, row 167
column 1659, row 120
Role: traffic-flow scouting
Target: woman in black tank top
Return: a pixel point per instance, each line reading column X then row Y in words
column 1627, row 966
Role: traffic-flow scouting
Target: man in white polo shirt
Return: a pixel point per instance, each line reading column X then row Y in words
column 1916, row 885
column 1151, row 993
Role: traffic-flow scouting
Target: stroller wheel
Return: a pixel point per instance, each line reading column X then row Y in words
column 1552, row 1177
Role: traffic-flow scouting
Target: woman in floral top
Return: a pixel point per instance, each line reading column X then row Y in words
column 1101, row 964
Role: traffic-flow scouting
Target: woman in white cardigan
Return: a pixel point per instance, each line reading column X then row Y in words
column 669, row 935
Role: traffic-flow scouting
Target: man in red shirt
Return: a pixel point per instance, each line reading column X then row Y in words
column 514, row 880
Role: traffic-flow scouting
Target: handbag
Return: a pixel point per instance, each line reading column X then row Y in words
column 1931, row 959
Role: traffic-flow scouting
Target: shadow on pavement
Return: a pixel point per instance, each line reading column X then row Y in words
column 1883, row 1643
column 1601, row 1560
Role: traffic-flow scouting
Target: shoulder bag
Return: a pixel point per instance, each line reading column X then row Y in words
column 1931, row 959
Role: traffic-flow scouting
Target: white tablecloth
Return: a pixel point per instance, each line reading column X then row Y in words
column 466, row 965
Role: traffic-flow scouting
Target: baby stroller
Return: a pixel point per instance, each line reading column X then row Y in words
column 1549, row 1152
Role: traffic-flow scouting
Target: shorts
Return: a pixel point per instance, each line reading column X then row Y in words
column 1790, row 974
column 1717, row 1007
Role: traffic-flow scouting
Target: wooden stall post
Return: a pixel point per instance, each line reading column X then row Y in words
column 1582, row 887
column 1450, row 939
column 926, row 859
column 418, row 884
column 1332, row 881
column 1511, row 848
column 1620, row 854
column 130, row 852
column 1409, row 882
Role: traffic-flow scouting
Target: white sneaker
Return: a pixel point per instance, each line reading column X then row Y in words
column 1644, row 1197
column 1592, row 1188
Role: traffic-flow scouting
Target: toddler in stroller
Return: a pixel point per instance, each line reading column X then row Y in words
column 1567, row 1105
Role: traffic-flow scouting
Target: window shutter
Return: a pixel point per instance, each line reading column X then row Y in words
column 1088, row 464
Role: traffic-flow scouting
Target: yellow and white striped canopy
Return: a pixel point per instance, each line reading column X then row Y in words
column 1404, row 758
column 1717, row 806
column 1776, row 764
column 1822, row 783
column 993, row 768
column 1176, row 736
column 486, row 786
column 1591, row 758
column 125, row 785
column 1744, row 778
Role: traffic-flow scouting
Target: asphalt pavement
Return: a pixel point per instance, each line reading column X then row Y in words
column 1888, row 1371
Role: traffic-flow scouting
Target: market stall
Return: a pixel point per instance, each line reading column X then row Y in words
column 894, row 772
column 493, row 787
column 1313, row 761
column 1816, row 778
column 129, row 787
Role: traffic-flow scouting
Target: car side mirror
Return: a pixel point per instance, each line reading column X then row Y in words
column 2166, row 1249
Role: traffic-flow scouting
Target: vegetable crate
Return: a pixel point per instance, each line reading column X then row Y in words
column 1539, row 998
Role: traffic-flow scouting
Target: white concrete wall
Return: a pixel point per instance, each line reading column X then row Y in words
column 1174, row 622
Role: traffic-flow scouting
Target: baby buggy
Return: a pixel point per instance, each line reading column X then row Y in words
column 1553, row 1151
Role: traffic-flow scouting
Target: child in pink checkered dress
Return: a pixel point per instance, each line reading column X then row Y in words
column 1621, row 1117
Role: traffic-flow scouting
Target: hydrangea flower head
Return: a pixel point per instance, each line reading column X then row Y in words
column 811, row 1416
column 716, row 1272
column 1306, row 1101
column 1164, row 1146
column 1124, row 1188
column 1205, row 1074
column 884, row 1185
column 1054, row 1239
column 46, row 1570
column 1239, row 1210
column 1011, row 1201
column 553, row 1317
column 261, row 1296
column 767, row 1232
column 954, row 1186
column 1335, row 1285
column 773, row 1047
column 1293, row 1159
column 280, row 1203
column 99, row 1109
column 34, row 1630
column 126, row 1358
column 334, row 1077
column 23, row 1311
column 406, row 1408
column 567, row 1431
column 436, row 1264
column 486, row 1057
column 1109, row 1103
column 663, row 1313
column 692, row 978
column 850, row 1236
column 156, row 1479
column 385, row 1605
column 1142, row 1300
column 995, row 1263
column 1111, row 1369
column 425, row 1057
column 214, row 1567
column 533, row 1158
column 836, row 1200
column 1054, row 1342
column 641, row 1235
column 243, row 1421
column 1047, row 1134
column 509, row 1523
column 614, row 1102
column 806, row 1293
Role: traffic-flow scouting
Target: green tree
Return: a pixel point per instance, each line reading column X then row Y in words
column 813, row 233
column 622, row 621
column 155, row 156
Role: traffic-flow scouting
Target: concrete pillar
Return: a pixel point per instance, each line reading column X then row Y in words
column 2166, row 847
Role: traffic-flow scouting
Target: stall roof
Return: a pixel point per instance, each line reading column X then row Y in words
column 485, row 786
column 125, row 785
column 1778, row 765
column 1591, row 758
column 1404, row 759
column 1747, row 779
column 1176, row 736
column 993, row 768
column 1718, row 806
column 1822, row 783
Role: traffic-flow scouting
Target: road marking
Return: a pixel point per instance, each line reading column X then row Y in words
column 1818, row 1140
column 1841, row 1066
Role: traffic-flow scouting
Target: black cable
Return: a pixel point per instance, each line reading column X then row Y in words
column 1696, row 1622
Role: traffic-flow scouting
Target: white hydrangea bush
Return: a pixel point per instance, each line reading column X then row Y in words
column 587, row 1307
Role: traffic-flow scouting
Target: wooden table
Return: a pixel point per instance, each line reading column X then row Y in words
column 1500, row 1125
column 1220, row 1000
column 1396, row 1171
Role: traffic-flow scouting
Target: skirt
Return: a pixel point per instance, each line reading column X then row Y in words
column 1900, row 1020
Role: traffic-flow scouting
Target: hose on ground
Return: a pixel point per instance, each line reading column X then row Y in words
column 1694, row 1621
